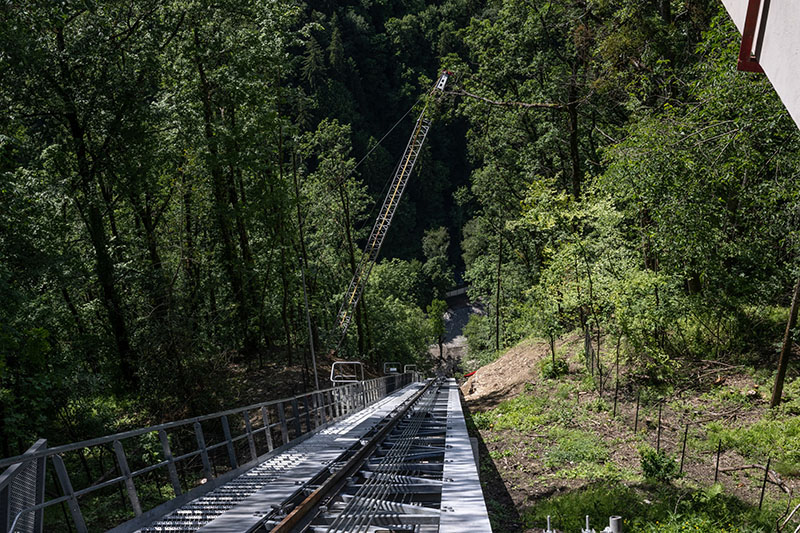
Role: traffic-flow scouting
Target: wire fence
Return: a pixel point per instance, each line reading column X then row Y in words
column 684, row 435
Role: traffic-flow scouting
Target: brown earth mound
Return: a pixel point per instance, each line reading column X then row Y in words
column 507, row 376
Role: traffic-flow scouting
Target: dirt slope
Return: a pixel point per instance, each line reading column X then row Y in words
column 507, row 376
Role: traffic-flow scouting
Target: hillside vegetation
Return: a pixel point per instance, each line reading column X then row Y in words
column 552, row 445
column 170, row 171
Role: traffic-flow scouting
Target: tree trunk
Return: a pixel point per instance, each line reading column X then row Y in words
column 666, row 11
column 104, row 267
column 285, row 307
column 786, row 350
column 191, row 269
column 86, row 200
column 314, row 331
column 157, row 285
column 238, row 200
column 572, row 121
column 497, row 292
column 352, row 257
column 221, row 208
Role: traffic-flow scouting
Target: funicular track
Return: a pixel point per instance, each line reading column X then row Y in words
column 374, row 459
column 392, row 483
column 412, row 470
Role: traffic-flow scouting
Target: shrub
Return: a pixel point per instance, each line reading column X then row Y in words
column 658, row 465
column 554, row 369
column 521, row 413
column 482, row 420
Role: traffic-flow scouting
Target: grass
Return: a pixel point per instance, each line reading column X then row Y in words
column 777, row 437
column 562, row 454
column 607, row 472
column 647, row 509
column 522, row 413
column 574, row 446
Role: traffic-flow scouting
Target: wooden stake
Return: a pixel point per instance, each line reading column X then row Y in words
column 658, row 438
column 683, row 451
column 783, row 362
column 764, row 484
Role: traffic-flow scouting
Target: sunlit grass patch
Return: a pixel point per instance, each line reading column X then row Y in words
column 574, row 446
column 663, row 510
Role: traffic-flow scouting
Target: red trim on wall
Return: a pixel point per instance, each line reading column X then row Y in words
column 748, row 61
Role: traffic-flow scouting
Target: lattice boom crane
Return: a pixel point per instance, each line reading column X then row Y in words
column 384, row 220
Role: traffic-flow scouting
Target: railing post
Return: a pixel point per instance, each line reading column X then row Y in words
column 226, row 431
column 22, row 487
column 173, row 472
column 319, row 399
column 298, row 430
column 126, row 473
column 282, row 418
column 267, row 428
column 201, row 445
column 66, row 488
column 249, row 428
column 308, row 413
column 5, row 507
column 41, row 466
column 351, row 398
column 335, row 403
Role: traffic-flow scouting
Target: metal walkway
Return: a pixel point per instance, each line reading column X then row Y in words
column 240, row 503
column 382, row 455
column 420, row 475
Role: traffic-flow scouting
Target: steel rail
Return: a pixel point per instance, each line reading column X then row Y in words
column 310, row 503
column 375, row 489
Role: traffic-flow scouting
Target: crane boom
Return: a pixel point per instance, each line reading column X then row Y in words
column 384, row 220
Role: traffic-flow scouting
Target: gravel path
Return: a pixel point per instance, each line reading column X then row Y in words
column 455, row 318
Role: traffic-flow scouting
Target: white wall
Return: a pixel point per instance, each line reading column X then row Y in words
column 780, row 54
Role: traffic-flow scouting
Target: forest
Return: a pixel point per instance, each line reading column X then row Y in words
column 172, row 172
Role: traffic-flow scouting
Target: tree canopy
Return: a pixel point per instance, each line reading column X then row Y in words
column 171, row 171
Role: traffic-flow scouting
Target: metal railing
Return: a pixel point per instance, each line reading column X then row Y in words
column 190, row 457
column 22, row 487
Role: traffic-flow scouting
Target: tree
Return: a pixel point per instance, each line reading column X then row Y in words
column 436, row 268
column 547, row 319
column 436, row 310
column 786, row 349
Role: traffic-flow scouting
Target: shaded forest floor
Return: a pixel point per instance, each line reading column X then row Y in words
column 557, row 447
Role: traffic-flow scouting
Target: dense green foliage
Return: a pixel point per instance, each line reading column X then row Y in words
column 627, row 180
column 171, row 170
column 657, row 465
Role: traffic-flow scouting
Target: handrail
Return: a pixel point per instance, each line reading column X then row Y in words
column 22, row 485
column 309, row 412
column 141, row 431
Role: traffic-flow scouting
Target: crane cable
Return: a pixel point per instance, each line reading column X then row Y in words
column 384, row 219
column 343, row 177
